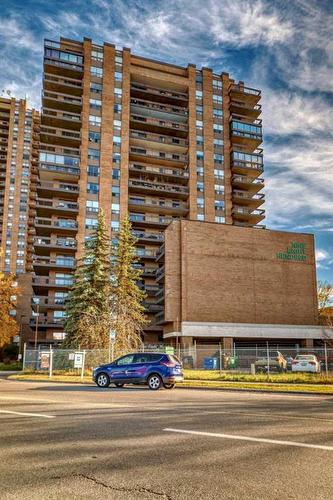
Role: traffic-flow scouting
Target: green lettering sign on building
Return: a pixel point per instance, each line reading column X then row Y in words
column 295, row 251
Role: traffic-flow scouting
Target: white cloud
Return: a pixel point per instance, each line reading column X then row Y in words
column 321, row 255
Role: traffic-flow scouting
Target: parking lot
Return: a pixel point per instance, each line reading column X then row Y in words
column 75, row 441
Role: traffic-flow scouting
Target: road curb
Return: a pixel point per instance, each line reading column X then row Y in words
column 266, row 391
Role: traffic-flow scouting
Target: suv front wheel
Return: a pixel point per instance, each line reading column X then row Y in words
column 154, row 382
column 103, row 380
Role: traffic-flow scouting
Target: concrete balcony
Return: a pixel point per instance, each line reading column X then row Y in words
column 239, row 92
column 154, row 140
column 249, row 215
column 253, row 184
column 58, row 188
column 159, row 110
column 46, row 302
column 155, row 125
column 158, row 157
column 159, row 206
column 245, row 109
column 61, row 119
column 144, row 236
column 46, row 207
column 60, row 137
column 64, row 102
column 160, row 272
column 155, row 172
column 253, row 200
column 44, row 226
column 42, row 265
column 43, row 282
column 65, row 85
column 159, row 222
column 146, row 254
column 47, row 322
column 247, row 164
column 142, row 91
column 44, row 245
column 145, row 187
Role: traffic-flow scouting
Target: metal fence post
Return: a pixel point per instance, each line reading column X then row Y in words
column 83, row 363
column 220, row 359
column 24, row 355
column 51, row 362
column 326, row 360
column 267, row 359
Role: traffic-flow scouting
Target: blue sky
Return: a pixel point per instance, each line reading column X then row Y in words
column 283, row 47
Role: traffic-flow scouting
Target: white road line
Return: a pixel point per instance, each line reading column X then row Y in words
column 27, row 414
column 247, row 438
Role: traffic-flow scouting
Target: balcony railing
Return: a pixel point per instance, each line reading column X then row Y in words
column 178, row 110
column 157, row 91
column 148, row 236
column 159, row 123
column 58, row 242
column 59, row 168
column 248, row 211
column 163, row 139
column 48, row 301
column 158, row 204
column 248, row 196
column 245, row 90
column 158, row 170
column 59, row 186
column 63, row 224
column 248, row 180
column 61, row 205
column 157, row 154
column 49, row 282
column 247, row 130
column 150, row 219
column 145, row 253
column 56, row 262
column 158, row 187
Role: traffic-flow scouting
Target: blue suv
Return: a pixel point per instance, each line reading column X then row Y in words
column 146, row 368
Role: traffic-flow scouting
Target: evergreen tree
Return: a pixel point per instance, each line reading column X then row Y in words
column 129, row 318
column 88, row 310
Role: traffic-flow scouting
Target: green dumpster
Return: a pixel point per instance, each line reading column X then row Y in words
column 233, row 362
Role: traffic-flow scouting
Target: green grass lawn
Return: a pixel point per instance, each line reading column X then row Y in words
column 280, row 382
column 10, row 367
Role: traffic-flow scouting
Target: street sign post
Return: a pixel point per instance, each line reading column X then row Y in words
column 112, row 340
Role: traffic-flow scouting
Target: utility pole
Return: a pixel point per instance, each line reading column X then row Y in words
column 36, row 300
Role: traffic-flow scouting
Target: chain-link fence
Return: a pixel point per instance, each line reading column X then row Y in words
column 212, row 357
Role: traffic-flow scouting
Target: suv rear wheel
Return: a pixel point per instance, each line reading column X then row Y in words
column 154, row 382
column 103, row 380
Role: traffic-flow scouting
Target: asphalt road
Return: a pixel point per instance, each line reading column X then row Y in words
column 63, row 441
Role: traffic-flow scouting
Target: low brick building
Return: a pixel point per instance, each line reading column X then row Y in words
column 228, row 284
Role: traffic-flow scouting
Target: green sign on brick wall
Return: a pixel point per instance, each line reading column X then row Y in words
column 295, row 251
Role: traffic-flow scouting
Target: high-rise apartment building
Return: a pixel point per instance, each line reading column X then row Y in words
column 138, row 136
column 19, row 136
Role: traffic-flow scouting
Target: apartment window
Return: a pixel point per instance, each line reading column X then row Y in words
column 219, row 205
column 91, row 223
column 117, row 108
column 118, row 92
column 98, row 56
column 92, row 187
column 63, row 56
column 95, row 103
column 218, row 142
column 218, row 128
column 219, row 219
column 95, row 120
column 199, row 109
column 200, row 155
column 200, row 187
column 199, row 124
column 200, row 202
column 219, row 189
column 115, row 208
column 115, row 225
column 93, row 154
column 218, row 158
column 200, row 217
column 93, row 170
column 219, row 173
column 92, row 206
column 118, row 76
column 198, row 94
column 115, row 191
column 96, row 87
column 60, row 159
column 95, row 71
column 115, row 173
column 116, row 139
column 218, row 113
column 118, row 60
column 200, row 171
column 200, row 140
column 198, row 77
column 94, row 136
column 217, row 84
column 117, row 124
column 116, row 158
column 217, row 98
